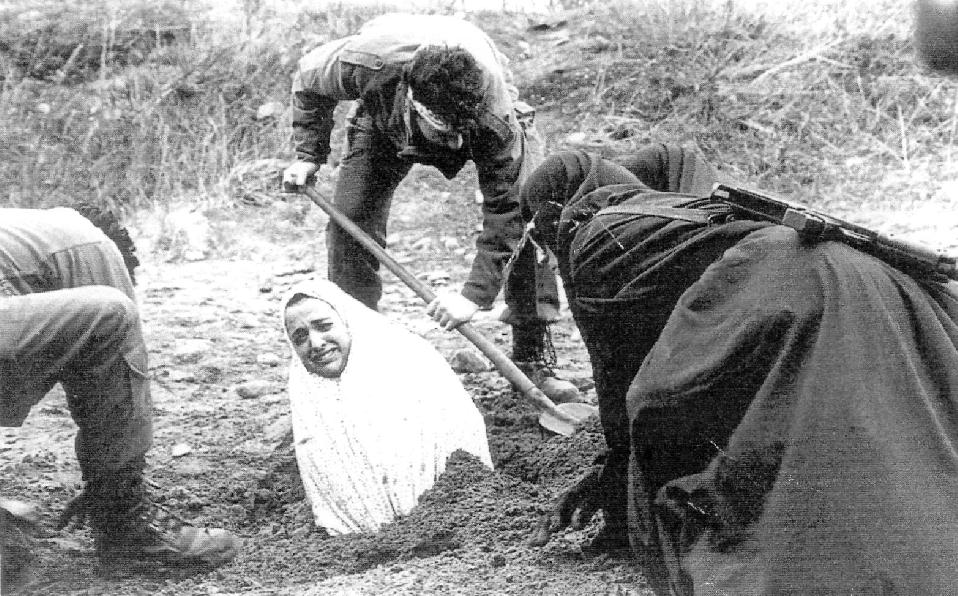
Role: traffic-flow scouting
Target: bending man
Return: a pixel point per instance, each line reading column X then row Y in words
column 68, row 315
column 432, row 90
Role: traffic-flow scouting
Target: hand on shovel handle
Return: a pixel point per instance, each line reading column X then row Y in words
column 299, row 174
column 451, row 310
column 562, row 420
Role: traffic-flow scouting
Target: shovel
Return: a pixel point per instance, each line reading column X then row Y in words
column 562, row 419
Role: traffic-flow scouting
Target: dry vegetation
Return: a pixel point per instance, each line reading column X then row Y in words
column 142, row 105
column 826, row 101
column 166, row 111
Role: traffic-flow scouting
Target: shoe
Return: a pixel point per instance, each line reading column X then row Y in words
column 558, row 390
column 126, row 525
column 143, row 539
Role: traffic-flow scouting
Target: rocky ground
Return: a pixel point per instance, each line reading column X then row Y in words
column 209, row 291
column 218, row 358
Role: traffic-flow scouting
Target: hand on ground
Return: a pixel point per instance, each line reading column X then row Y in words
column 574, row 508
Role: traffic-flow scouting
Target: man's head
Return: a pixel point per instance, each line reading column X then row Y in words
column 445, row 91
column 110, row 225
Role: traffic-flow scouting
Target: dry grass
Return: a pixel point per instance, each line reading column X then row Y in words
column 142, row 105
column 822, row 99
column 135, row 105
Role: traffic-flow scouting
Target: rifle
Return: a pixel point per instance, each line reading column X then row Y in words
column 813, row 226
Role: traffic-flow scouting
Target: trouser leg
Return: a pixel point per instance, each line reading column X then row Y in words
column 616, row 348
column 531, row 291
column 528, row 343
column 368, row 176
column 532, row 298
column 90, row 340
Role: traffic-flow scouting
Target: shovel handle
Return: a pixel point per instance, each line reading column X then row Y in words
column 421, row 289
column 503, row 364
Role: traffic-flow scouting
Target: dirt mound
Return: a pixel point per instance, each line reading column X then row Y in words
column 470, row 508
column 469, row 534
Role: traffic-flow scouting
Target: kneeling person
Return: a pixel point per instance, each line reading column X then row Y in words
column 68, row 315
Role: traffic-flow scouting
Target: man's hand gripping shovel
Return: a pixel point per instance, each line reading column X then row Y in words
column 562, row 419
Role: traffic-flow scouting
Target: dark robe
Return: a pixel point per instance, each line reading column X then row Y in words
column 793, row 427
column 565, row 191
column 790, row 410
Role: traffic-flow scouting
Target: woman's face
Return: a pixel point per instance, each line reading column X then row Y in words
column 319, row 336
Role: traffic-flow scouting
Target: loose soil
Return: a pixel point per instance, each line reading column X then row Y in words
column 218, row 360
column 221, row 460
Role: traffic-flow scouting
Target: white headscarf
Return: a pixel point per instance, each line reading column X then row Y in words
column 371, row 441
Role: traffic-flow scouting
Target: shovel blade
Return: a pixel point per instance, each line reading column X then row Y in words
column 579, row 412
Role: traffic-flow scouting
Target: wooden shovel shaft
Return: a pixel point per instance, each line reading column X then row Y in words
column 503, row 364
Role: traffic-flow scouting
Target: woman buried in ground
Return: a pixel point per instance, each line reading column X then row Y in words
column 376, row 410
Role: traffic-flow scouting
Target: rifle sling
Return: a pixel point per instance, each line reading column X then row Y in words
column 690, row 215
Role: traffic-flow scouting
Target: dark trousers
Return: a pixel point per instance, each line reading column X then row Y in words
column 86, row 335
column 617, row 339
column 368, row 176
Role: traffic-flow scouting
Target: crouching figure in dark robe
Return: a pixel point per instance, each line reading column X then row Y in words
column 781, row 416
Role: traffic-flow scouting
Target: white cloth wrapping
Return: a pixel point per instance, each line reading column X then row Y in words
column 371, row 441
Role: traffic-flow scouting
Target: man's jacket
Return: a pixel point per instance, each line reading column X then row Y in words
column 368, row 67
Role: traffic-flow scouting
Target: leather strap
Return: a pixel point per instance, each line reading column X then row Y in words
column 691, row 215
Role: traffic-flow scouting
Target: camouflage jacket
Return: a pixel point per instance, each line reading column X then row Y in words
column 368, row 67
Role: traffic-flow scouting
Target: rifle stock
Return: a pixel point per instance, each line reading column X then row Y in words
column 814, row 226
